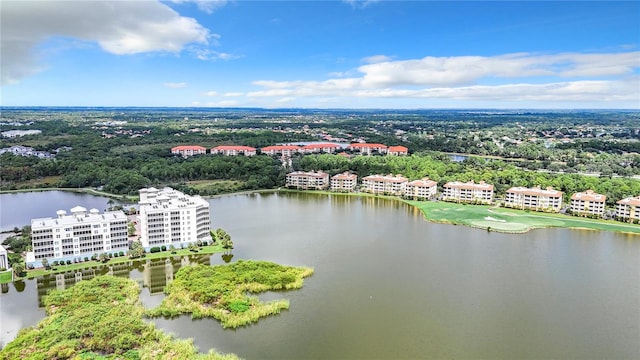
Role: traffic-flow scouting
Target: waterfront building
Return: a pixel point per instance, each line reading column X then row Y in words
column 345, row 182
column 169, row 217
column 188, row 150
column 534, row 198
column 397, row 150
column 367, row 149
column 307, row 180
column 4, row 259
column 316, row 148
column 384, row 184
column 284, row 150
column 468, row 192
column 231, row 150
column 587, row 203
column 421, row 189
column 81, row 234
column 628, row 208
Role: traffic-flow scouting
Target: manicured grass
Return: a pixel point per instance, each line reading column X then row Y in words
column 5, row 277
column 221, row 291
column 99, row 318
column 510, row 220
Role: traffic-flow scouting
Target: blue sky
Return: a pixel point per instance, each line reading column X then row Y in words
column 321, row 54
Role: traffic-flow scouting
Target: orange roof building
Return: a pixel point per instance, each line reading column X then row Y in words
column 385, row 184
column 308, row 180
column 188, row 150
column 367, row 149
column 468, row 192
column 534, row 198
column 628, row 208
column 588, row 202
column 421, row 189
column 345, row 182
column 397, row 150
column 233, row 150
column 323, row 147
column 286, row 150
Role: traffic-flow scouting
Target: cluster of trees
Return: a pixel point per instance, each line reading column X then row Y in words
column 220, row 236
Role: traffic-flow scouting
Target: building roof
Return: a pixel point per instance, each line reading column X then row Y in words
column 631, row 201
column 281, row 147
column 317, row 174
column 320, row 146
column 397, row 149
column 366, row 145
column 425, row 182
column 188, row 147
column 535, row 191
column 74, row 219
column 234, row 147
column 386, row 178
column 471, row 185
column 345, row 176
column 589, row 195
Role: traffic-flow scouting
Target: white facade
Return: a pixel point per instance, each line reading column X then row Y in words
column 588, row 202
column 4, row 259
column 78, row 235
column 421, row 189
column 308, row 180
column 385, row 184
column 345, row 182
column 628, row 208
column 169, row 217
column 468, row 192
column 533, row 198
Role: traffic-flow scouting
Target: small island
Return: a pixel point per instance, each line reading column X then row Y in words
column 221, row 292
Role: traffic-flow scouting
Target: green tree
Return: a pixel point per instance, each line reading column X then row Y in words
column 18, row 269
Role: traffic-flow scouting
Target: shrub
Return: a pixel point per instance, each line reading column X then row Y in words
column 68, row 262
column 163, row 247
column 121, row 253
column 86, row 258
column 154, row 249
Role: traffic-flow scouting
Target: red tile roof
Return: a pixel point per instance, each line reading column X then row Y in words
column 425, row 182
column 535, row 191
column 397, row 149
column 234, row 147
column 345, row 176
column 589, row 195
column 469, row 185
column 321, row 146
column 632, row 201
column 281, row 147
column 188, row 147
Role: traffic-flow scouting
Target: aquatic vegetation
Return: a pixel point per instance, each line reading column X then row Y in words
column 99, row 318
column 223, row 292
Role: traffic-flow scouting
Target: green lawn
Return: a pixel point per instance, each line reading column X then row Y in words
column 509, row 220
column 5, row 277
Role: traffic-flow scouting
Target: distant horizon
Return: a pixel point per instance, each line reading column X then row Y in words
column 344, row 54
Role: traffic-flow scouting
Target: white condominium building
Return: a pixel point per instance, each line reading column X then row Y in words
column 534, row 198
column 468, row 192
column 232, row 150
column 308, row 180
column 345, row 182
column 4, row 259
column 169, row 217
column 628, row 208
column 81, row 234
column 588, row 202
column 188, row 150
column 385, row 184
column 421, row 189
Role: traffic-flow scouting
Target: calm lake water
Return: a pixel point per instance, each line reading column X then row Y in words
column 389, row 285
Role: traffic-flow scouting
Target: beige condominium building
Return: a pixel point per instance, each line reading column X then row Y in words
column 367, row 149
column 534, row 198
column 169, row 217
column 81, row 234
column 421, row 189
column 188, row 150
column 308, row 180
column 384, row 184
column 588, row 203
column 628, row 208
column 233, row 150
column 345, row 182
column 468, row 192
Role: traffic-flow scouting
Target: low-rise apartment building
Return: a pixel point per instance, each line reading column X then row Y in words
column 284, row 150
column 367, row 149
column 169, row 217
column 421, row 189
column 587, row 203
column 534, row 199
column 469, row 192
column 318, row 148
column 233, row 150
column 397, row 150
column 81, row 234
column 628, row 208
column 384, row 184
column 345, row 182
column 308, row 180
column 188, row 150
column 4, row 259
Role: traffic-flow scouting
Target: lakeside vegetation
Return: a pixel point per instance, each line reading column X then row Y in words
column 221, row 291
column 101, row 318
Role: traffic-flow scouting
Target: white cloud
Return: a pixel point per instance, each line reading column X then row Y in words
column 118, row 27
column 208, row 6
column 208, row 54
column 575, row 77
column 376, row 59
column 233, row 94
column 174, row 85
column 211, row 93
